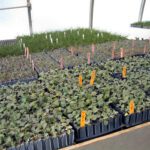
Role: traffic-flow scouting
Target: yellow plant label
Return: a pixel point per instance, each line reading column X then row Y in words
column 80, row 80
column 93, row 76
column 131, row 107
column 124, row 72
column 82, row 121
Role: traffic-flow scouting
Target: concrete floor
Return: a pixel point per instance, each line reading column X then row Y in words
column 136, row 139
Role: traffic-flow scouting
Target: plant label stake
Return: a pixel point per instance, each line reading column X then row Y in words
column 46, row 36
column 24, row 46
column 51, row 40
column 93, row 49
column 61, row 63
column 57, row 40
column 64, row 34
column 27, row 53
column 93, row 76
column 114, row 45
column 113, row 54
column 30, row 58
column 82, row 120
column 33, row 67
column 98, row 35
column 124, row 72
column 78, row 33
column 83, row 36
column 80, row 80
column 131, row 107
column 133, row 44
column 89, row 58
column 50, row 36
column 121, row 52
column 72, row 51
column 145, row 49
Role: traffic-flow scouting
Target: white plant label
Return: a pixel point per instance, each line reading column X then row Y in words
column 33, row 65
column 51, row 40
column 57, row 40
column 24, row 46
column 83, row 36
column 64, row 34
column 50, row 36
column 21, row 41
column 46, row 36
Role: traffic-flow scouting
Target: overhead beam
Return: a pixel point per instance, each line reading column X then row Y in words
column 7, row 8
column 91, row 14
column 141, row 10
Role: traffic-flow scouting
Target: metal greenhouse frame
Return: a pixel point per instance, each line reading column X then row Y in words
column 29, row 7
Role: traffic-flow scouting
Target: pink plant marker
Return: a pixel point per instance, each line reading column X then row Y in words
column 27, row 53
column 93, row 49
column 114, row 45
column 72, row 51
column 113, row 54
column 61, row 63
column 121, row 52
column 133, row 44
column 89, row 58
column 145, row 48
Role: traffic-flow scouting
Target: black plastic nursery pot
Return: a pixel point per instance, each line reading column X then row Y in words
column 136, row 26
column 97, row 129
column 137, row 118
column 11, row 82
column 48, row 144
column 139, row 55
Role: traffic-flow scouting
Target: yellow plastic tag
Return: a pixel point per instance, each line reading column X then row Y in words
column 93, row 76
column 82, row 121
column 80, row 80
column 131, row 107
column 124, row 72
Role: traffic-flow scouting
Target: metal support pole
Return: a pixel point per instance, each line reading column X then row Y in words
column 29, row 16
column 91, row 14
column 141, row 10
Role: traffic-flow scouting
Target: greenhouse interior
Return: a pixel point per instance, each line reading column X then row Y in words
column 74, row 75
